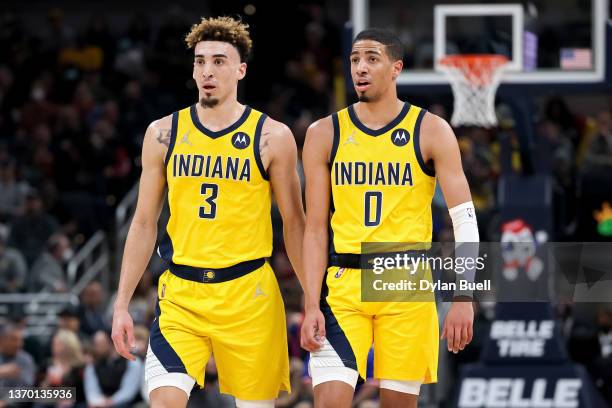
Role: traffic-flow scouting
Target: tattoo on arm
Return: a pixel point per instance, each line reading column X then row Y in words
column 163, row 136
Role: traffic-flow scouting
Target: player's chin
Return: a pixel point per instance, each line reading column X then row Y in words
column 363, row 96
column 209, row 102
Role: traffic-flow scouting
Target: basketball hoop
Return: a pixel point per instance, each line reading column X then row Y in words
column 474, row 79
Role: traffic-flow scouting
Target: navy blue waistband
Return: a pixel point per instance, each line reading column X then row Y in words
column 215, row 275
column 359, row 261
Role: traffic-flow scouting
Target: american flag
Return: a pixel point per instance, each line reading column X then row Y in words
column 576, row 58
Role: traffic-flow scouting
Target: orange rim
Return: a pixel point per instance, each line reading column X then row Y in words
column 480, row 66
column 492, row 60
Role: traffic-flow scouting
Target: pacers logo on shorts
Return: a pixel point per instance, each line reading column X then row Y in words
column 241, row 140
column 400, row 137
column 208, row 276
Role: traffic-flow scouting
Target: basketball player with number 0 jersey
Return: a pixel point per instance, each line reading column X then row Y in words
column 220, row 161
column 371, row 172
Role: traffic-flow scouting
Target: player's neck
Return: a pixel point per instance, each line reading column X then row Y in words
column 220, row 116
column 377, row 114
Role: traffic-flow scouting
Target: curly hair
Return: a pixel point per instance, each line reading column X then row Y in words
column 225, row 29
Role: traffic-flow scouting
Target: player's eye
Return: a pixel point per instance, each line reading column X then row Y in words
column 373, row 59
column 219, row 62
column 354, row 60
column 199, row 62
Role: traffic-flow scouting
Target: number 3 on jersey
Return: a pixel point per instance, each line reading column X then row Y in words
column 373, row 208
column 209, row 191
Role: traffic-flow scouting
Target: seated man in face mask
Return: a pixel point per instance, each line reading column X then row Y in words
column 47, row 274
column 111, row 381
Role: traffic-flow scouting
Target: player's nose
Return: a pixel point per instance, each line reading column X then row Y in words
column 362, row 66
column 207, row 71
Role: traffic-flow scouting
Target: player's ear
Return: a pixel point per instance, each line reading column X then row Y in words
column 242, row 70
column 398, row 66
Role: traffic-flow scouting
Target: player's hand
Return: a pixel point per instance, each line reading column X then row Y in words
column 457, row 327
column 123, row 333
column 313, row 330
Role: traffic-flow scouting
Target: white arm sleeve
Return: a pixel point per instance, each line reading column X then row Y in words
column 465, row 230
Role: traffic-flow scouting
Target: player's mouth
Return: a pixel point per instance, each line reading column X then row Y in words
column 209, row 88
column 362, row 85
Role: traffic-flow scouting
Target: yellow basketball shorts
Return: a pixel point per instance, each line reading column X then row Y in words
column 240, row 321
column 405, row 335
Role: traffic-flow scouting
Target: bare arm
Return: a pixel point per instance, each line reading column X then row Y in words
column 440, row 144
column 142, row 235
column 279, row 147
column 318, row 189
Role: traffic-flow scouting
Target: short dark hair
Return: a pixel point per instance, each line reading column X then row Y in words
column 392, row 43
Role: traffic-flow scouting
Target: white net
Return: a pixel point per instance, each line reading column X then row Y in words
column 474, row 80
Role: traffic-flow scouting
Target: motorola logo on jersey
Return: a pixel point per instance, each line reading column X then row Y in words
column 400, row 137
column 241, row 140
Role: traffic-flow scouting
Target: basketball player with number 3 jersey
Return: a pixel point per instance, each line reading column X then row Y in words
column 220, row 161
column 371, row 171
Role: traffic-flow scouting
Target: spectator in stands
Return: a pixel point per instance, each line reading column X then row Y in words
column 68, row 319
column 90, row 311
column 47, row 273
column 57, row 34
column 31, row 343
column 476, row 162
column 13, row 269
column 30, row 231
column 558, row 112
column 555, row 153
column 110, row 380
column 12, row 191
column 17, row 368
column 598, row 157
column 67, row 365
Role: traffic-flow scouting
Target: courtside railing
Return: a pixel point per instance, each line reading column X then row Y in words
column 91, row 262
column 123, row 217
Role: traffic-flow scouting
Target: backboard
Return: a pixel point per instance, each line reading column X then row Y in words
column 546, row 41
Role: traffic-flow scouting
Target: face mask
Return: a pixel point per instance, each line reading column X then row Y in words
column 67, row 254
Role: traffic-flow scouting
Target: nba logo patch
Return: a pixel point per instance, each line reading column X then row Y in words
column 339, row 273
column 241, row 140
column 400, row 137
column 163, row 291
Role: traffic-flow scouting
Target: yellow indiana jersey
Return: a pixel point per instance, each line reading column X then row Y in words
column 218, row 193
column 381, row 186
